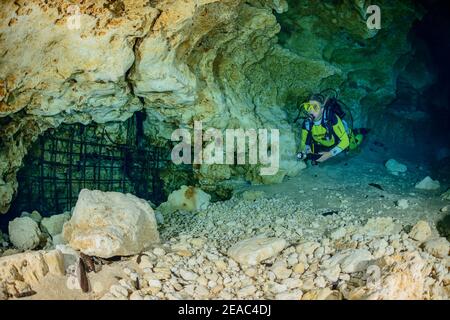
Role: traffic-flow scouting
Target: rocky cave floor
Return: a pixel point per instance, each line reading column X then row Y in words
column 343, row 239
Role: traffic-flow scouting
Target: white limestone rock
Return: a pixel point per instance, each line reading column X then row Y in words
column 358, row 260
column 350, row 260
column 292, row 283
column 36, row 216
column 289, row 295
column 437, row 247
column 307, row 248
column 299, row 268
column 280, row 270
column 421, row 231
column 186, row 199
column 338, row 233
column 394, row 167
column 380, row 227
column 400, row 277
column 136, row 296
column 247, row 291
column 277, row 288
column 188, row 275
column 53, row 225
column 30, row 268
column 428, row 184
column 58, row 239
column 402, row 204
column 24, row 233
column 253, row 251
column 332, row 273
column 320, row 282
column 107, row 224
column 317, row 294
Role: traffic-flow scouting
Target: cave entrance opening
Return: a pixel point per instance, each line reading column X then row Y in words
column 75, row 156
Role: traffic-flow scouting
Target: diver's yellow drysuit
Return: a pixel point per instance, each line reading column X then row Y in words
column 316, row 138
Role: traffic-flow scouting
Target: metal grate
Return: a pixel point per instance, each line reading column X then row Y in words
column 72, row 157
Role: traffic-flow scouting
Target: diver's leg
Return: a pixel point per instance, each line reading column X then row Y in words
column 355, row 139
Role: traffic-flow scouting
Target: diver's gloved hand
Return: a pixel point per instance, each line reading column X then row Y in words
column 324, row 156
column 303, row 155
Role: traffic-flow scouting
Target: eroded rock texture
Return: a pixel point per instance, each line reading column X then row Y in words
column 215, row 61
column 108, row 224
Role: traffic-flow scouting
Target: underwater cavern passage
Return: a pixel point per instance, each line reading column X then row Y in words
column 91, row 95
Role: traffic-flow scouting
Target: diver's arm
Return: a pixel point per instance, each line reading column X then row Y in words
column 304, row 144
column 339, row 130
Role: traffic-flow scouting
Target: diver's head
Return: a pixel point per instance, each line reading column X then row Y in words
column 314, row 107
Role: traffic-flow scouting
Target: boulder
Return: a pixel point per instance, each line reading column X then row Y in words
column 254, row 250
column 108, row 224
column 350, row 260
column 53, row 225
column 186, row 199
column 36, row 216
column 24, row 233
column 380, row 227
column 428, row 184
column 395, row 167
column 421, row 231
column 437, row 247
column 356, row 261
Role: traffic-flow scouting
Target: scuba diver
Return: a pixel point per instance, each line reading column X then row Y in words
column 325, row 133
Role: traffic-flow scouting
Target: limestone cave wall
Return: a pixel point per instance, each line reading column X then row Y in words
column 227, row 63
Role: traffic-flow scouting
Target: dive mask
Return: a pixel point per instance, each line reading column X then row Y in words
column 311, row 106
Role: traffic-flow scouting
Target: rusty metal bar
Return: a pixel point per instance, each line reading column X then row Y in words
column 75, row 156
